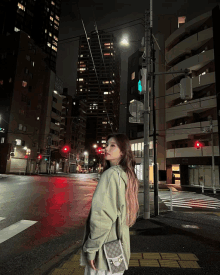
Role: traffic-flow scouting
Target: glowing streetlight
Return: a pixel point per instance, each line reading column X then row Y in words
column 124, row 42
column 95, row 146
column 85, row 153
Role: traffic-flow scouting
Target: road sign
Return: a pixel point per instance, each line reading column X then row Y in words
column 136, row 109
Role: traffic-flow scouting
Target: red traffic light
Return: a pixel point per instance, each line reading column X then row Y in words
column 99, row 150
column 198, row 145
column 39, row 157
column 66, row 149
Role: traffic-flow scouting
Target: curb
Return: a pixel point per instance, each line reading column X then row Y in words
column 57, row 260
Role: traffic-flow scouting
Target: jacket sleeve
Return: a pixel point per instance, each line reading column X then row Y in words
column 103, row 213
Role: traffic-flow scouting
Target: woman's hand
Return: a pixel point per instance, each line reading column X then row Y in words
column 92, row 264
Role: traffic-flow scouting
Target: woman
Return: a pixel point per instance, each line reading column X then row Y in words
column 109, row 200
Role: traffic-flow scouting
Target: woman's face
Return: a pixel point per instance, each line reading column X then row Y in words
column 112, row 152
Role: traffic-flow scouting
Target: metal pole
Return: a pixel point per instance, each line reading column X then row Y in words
column 146, row 214
column 213, row 157
column 156, row 205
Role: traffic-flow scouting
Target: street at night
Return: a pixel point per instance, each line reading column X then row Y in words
column 40, row 216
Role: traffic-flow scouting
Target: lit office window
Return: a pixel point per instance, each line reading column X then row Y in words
column 48, row 44
column 55, row 27
column 21, row 7
column 16, row 29
column 45, row 30
column 50, row 34
column 80, row 79
column 2, row 139
column 52, row 3
column 57, row 17
column 106, row 53
column 56, row 22
column 133, row 76
column 55, row 38
column 24, row 83
column 181, row 20
column 54, row 48
column 51, row 18
column 55, row 43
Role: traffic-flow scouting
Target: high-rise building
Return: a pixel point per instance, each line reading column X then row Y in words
column 30, row 105
column 39, row 19
column 102, row 95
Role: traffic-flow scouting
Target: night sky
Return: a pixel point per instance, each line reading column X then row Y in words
column 110, row 14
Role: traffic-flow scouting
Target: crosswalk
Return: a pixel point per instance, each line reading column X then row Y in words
column 189, row 200
column 14, row 229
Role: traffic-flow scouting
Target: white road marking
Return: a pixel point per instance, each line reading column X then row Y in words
column 189, row 200
column 1, row 218
column 14, row 229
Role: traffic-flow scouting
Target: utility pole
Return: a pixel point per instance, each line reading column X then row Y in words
column 213, row 156
column 156, row 206
column 146, row 65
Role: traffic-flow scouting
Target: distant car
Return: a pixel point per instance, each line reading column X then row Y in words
column 84, row 170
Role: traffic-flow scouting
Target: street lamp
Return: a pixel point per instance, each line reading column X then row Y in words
column 95, row 146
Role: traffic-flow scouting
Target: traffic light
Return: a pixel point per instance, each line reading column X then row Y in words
column 66, row 149
column 198, row 145
column 142, row 83
column 99, row 150
column 39, row 157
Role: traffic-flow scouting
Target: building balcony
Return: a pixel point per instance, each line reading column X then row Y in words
column 193, row 42
column 185, row 109
column 205, row 151
column 194, row 63
column 198, row 83
column 188, row 26
column 180, row 132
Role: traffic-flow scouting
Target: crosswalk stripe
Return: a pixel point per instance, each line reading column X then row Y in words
column 191, row 200
column 14, row 229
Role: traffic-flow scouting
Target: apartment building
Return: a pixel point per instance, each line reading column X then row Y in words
column 39, row 19
column 102, row 95
column 193, row 46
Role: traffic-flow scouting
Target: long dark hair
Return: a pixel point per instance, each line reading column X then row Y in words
column 127, row 162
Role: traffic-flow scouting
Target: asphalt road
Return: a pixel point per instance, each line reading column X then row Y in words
column 40, row 217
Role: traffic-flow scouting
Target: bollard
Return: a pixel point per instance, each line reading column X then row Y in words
column 171, row 200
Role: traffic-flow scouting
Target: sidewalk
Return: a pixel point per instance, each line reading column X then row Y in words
column 171, row 243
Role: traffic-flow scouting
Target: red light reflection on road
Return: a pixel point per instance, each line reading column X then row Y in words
column 56, row 206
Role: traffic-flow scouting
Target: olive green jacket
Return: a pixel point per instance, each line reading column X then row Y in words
column 108, row 202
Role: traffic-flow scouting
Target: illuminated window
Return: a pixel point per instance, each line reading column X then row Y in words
column 2, row 140
column 52, row 3
column 57, row 17
column 48, row 44
column 106, row 44
column 105, row 82
column 51, row 18
column 45, row 30
column 82, row 69
column 106, row 53
column 81, row 55
column 181, row 20
column 104, row 122
column 55, row 27
column 18, row 141
column 56, row 22
column 55, row 43
column 21, row 7
column 50, row 34
column 16, row 29
column 24, row 84
column 81, row 79
column 133, row 76
column 105, row 93
column 54, row 48
column 55, row 38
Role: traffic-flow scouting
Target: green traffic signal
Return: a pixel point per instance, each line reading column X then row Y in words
column 139, row 86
